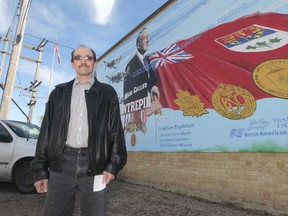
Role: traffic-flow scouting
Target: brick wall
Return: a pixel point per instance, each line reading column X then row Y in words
column 251, row 180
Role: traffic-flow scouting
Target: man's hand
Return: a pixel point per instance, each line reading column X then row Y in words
column 107, row 177
column 41, row 186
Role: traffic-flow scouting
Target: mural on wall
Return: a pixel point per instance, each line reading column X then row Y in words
column 204, row 76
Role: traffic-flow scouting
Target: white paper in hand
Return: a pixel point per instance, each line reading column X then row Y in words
column 98, row 185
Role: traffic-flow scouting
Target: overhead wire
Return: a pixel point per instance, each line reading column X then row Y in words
column 12, row 25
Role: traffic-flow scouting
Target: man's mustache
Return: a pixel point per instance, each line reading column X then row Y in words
column 84, row 65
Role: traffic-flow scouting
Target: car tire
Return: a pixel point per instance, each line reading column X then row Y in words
column 23, row 178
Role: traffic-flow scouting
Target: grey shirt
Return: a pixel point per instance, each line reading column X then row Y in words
column 77, row 136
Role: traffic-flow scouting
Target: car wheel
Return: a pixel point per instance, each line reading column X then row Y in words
column 23, row 178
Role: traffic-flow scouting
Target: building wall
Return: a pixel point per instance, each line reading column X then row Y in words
column 251, row 180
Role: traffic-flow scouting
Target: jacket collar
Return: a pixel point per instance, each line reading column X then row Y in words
column 96, row 87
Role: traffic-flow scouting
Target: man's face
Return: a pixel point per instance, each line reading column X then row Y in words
column 144, row 41
column 83, row 62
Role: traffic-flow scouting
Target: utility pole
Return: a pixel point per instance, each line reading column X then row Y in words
column 14, row 60
column 36, row 83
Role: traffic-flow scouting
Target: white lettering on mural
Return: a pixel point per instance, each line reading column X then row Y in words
column 137, row 105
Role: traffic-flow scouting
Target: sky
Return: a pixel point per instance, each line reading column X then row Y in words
column 98, row 24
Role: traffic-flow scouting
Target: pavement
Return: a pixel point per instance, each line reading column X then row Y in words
column 126, row 199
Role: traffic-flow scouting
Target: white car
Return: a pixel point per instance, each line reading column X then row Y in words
column 17, row 150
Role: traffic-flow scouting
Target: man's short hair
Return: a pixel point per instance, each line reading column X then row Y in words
column 93, row 52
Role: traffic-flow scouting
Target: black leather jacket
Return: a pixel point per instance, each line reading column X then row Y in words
column 106, row 144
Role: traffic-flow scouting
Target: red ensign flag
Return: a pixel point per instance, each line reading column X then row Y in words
column 57, row 52
column 225, row 54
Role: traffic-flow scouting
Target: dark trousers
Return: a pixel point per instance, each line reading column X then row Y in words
column 62, row 187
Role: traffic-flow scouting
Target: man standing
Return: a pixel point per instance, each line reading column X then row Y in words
column 81, row 145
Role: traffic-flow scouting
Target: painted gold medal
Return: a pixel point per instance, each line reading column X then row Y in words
column 272, row 77
column 233, row 102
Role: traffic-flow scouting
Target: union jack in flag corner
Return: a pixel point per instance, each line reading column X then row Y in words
column 172, row 54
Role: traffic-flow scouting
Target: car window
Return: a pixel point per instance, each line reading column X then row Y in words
column 5, row 136
column 24, row 129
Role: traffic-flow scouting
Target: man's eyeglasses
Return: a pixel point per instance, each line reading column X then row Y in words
column 81, row 58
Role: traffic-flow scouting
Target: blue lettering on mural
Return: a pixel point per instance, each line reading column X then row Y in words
column 236, row 132
column 281, row 122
